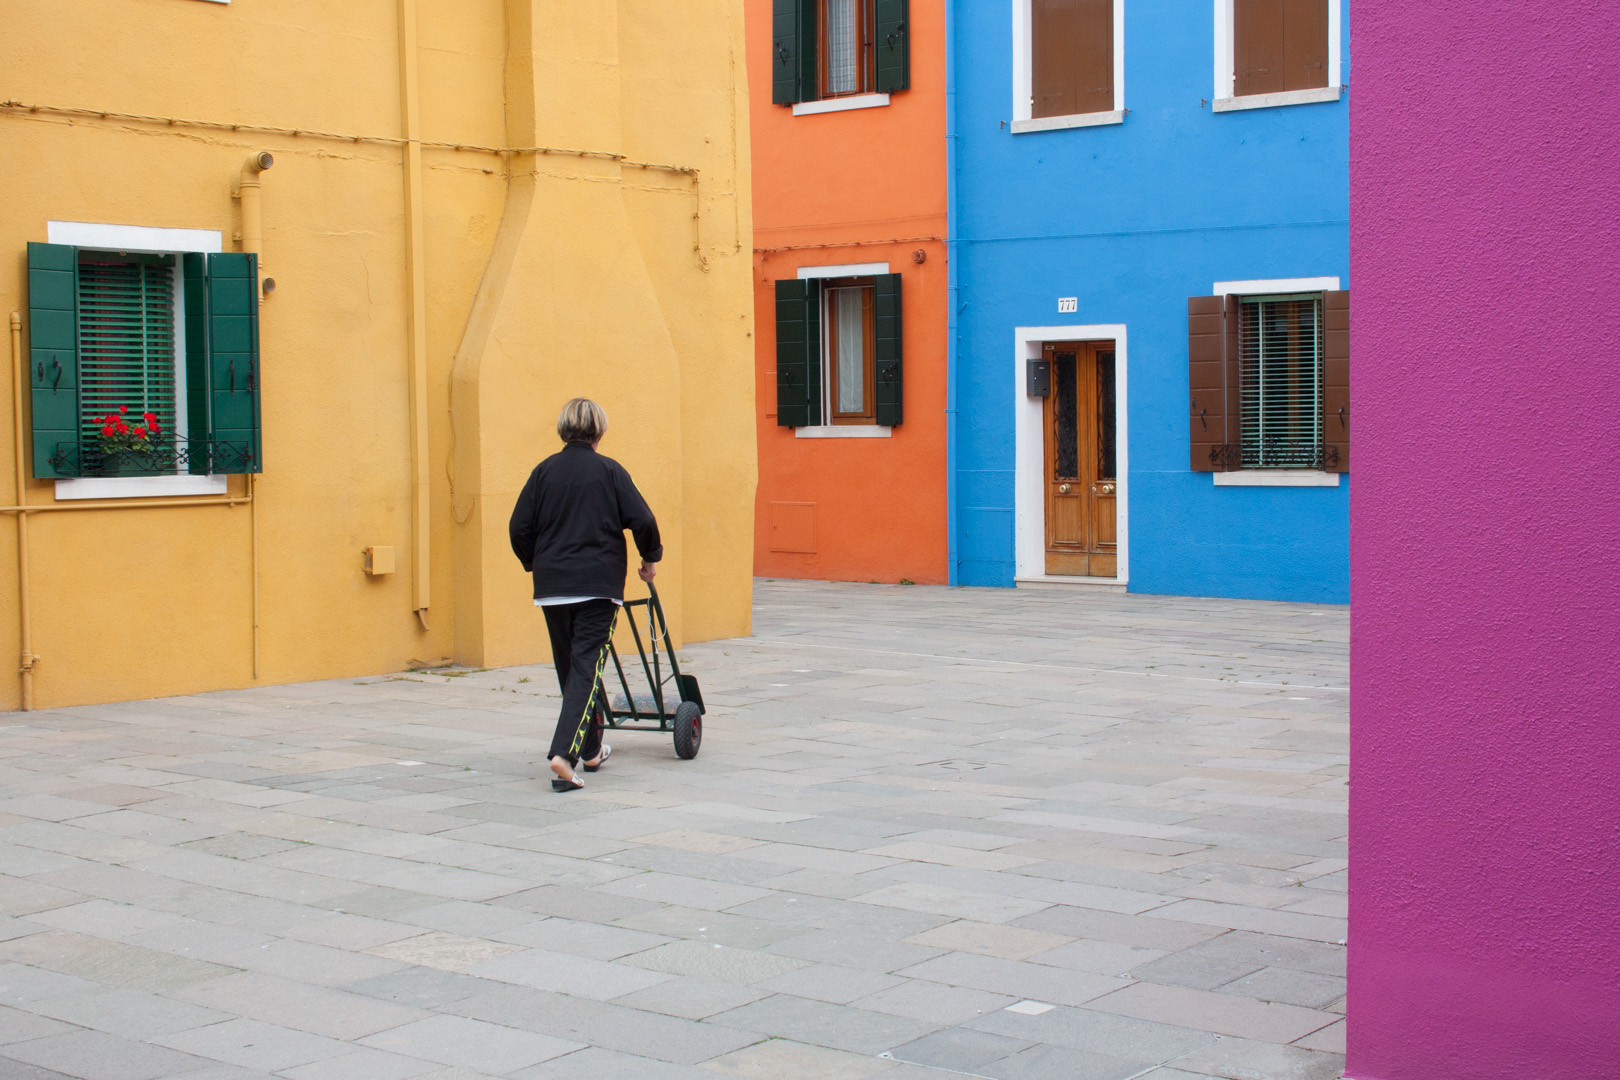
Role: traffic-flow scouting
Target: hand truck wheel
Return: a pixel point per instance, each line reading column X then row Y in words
column 688, row 730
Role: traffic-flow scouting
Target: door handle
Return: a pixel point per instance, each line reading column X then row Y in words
column 1102, row 489
column 1063, row 489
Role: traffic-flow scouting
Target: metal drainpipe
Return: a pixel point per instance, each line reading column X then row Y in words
column 26, row 625
column 416, row 325
column 952, row 552
column 248, row 190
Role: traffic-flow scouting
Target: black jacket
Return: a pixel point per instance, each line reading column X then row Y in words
column 568, row 525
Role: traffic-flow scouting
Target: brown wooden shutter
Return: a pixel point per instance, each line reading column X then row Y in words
column 1257, row 46
column 1212, row 382
column 1072, row 53
column 1336, row 381
column 1279, row 45
column 1305, row 44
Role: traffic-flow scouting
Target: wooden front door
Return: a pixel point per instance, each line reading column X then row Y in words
column 1081, row 539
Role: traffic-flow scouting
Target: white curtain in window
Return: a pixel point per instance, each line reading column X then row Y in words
column 843, row 45
column 851, row 351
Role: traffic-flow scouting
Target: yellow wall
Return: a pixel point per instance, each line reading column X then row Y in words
column 548, row 275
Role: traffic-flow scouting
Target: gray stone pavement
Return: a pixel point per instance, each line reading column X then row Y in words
column 931, row 833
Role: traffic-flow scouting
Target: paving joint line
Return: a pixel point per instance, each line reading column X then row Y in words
column 1046, row 667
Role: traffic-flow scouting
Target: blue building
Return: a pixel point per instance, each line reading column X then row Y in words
column 1150, row 252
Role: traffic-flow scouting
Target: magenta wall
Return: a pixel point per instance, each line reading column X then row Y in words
column 1485, row 541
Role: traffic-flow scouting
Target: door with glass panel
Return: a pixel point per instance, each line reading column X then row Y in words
column 1081, row 523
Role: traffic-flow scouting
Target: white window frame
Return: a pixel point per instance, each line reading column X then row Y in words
column 1276, row 477
column 1225, row 98
column 150, row 241
column 1029, row 451
column 838, row 431
column 1023, row 75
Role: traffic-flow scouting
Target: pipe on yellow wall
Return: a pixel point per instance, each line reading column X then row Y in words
column 26, row 627
column 248, row 189
column 416, row 323
column 248, row 192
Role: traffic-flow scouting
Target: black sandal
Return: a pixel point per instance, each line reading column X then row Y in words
column 601, row 760
column 559, row 784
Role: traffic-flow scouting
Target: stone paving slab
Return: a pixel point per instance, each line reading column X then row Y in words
column 1022, row 835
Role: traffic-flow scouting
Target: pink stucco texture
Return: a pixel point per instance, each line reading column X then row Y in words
column 1485, row 541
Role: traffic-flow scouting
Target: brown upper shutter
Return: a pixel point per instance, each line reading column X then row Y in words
column 1305, row 44
column 1279, row 45
column 1072, row 53
column 1257, row 46
column 1212, row 373
column 1336, row 381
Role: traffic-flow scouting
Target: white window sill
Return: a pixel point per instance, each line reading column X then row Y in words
column 843, row 431
column 1276, row 478
column 1272, row 101
column 138, row 487
column 841, row 104
column 1055, row 123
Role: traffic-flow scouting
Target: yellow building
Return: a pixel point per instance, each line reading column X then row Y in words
column 473, row 210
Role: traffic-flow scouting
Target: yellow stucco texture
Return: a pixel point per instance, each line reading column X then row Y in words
column 620, row 275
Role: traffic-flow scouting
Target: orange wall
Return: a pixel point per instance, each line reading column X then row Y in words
column 865, row 185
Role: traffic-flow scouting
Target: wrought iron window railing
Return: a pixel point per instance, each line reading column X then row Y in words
column 167, row 455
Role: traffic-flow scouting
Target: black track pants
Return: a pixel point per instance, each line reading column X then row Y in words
column 579, row 647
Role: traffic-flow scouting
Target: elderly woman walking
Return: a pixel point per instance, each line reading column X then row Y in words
column 568, row 531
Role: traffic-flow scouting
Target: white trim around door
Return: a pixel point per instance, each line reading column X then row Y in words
column 1029, row 500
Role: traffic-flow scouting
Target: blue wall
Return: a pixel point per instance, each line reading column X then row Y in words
column 1132, row 219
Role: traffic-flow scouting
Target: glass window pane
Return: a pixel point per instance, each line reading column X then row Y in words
column 851, row 350
column 1066, row 416
column 843, row 46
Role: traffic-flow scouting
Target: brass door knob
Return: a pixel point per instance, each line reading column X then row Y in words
column 1063, row 489
column 1102, row 489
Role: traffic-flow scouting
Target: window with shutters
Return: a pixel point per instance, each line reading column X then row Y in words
column 839, row 352
column 1268, row 380
column 1276, row 52
column 1280, row 381
column 143, row 364
column 1067, row 64
column 840, row 53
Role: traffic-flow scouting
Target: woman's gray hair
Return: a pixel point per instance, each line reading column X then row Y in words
column 582, row 420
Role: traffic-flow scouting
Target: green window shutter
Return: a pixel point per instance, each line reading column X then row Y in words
column 793, row 51
column 53, row 358
column 798, row 353
column 888, row 348
column 893, row 40
column 126, row 351
column 233, row 363
column 194, row 292
column 1336, row 381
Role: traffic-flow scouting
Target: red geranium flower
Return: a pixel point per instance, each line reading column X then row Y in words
column 123, row 408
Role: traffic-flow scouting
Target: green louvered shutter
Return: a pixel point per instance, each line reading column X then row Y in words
column 893, row 19
column 53, row 358
column 233, row 363
column 889, row 349
column 798, row 353
column 126, row 349
column 793, row 51
column 194, row 281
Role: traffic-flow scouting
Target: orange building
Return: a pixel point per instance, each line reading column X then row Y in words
column 850, row 288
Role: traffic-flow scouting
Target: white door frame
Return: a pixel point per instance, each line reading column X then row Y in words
column 1029, row 472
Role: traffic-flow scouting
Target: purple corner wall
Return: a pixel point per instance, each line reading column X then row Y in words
column 1485, row 541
